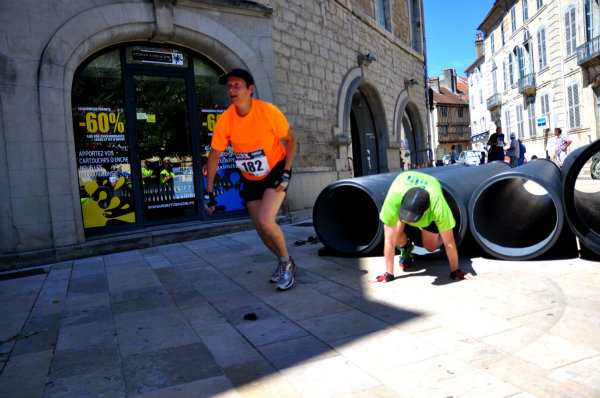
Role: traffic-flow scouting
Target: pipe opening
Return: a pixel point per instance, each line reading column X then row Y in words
column 514, row 216
column 586, row 194
column 348, row 219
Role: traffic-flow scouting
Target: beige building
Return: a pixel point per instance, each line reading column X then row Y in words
column 97, row 95
column 541, row 69
column 479, row 99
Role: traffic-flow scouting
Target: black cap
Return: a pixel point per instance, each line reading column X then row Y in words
column 414, row 204
column 241, row 73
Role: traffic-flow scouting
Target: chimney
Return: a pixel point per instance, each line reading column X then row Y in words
column 448, row 79
column 478, row 46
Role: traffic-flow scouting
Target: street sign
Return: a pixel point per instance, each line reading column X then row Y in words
column 542, row 122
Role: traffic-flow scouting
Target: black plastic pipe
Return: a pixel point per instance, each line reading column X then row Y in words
column 581, row 196
column 346, row 212
column 518, row 214
column 458, row 183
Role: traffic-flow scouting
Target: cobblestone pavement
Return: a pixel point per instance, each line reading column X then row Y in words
column 200, row 319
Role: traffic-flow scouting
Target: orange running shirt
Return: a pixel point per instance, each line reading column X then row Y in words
column 255, row 138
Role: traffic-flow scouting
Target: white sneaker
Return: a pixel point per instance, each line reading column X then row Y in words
column 286, row 279
column 277, row 274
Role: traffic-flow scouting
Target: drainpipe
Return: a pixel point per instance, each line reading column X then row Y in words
column 425, row 79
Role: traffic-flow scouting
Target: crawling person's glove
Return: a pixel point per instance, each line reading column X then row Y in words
column 459, row 275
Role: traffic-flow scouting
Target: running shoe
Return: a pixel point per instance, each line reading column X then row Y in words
column 406, row 254
column 286, row 279
column 277, row 274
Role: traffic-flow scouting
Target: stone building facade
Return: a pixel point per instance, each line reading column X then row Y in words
column 478, row 99
column 83, row 100
column 541, row 69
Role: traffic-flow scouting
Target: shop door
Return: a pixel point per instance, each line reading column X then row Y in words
column 164, row 147
column 364, row 139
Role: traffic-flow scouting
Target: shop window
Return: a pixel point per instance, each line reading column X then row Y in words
column 140, row 125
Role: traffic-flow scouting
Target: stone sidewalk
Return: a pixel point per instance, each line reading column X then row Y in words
column 199, row 319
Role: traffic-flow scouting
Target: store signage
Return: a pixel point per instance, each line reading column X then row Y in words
column 542, row 122
column 155, row 57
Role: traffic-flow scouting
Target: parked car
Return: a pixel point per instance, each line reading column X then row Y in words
column 470, row 158
column 446, row 160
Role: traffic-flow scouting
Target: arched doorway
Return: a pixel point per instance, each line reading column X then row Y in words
column 365, row 154
column 143, row 116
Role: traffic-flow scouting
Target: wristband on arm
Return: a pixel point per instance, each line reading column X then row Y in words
column 209, row 199
column 286, row 176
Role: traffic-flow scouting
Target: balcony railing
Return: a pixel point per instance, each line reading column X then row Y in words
column 527, row 84
column 454, row 137
column 589, row 53
column 494, row 101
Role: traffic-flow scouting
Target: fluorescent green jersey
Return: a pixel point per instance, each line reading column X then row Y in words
column 439, row 211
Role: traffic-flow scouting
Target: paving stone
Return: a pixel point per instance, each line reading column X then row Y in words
column 81, row 335
column 550, row 352
column 213, row 387
column 99, row 383
column 25, row 375
column 140, row 300
column 270, row 330
column 330, row 377
column 168, row 367
column 152, row 330
column 227, row 344
column 341, row 325
column 283, row 354
column 258, row 379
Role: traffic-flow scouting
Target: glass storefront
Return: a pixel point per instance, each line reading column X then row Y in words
column 143, row 118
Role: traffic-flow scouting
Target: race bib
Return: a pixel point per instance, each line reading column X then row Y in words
column 254, row 162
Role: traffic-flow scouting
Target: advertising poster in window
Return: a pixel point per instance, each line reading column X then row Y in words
column 228, row 187
column 103, row 166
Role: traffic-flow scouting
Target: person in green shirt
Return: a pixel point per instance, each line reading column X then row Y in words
column 166, row 176
column 147, row 173
column 417, row 199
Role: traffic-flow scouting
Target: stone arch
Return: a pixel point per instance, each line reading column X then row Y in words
column 106, row 25
column 406, row 108
column 353, row 81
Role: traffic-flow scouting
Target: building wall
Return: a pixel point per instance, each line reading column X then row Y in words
column 480, row 118
column 303, row 56
column 551, row 80
column 316, row 49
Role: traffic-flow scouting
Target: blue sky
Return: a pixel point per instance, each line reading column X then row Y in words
column 450, row 30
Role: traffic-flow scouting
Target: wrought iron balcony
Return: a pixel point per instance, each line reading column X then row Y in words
column 527, row 84
column 494, row 101
column 589, row 53
column 454, row 137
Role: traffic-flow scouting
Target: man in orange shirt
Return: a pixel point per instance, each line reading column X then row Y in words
column 255, row 130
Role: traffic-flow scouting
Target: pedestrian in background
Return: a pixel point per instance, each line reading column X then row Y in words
column 453, row 154
column 496, row 144
column 560, row 146
column 513, row 151
column 522, row 151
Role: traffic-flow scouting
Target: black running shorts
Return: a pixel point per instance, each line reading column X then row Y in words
column 254, row 189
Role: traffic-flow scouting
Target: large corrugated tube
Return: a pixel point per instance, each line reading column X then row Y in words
column 346, row 212
column 458, row 183
column 518, row 214
column 581, row 196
